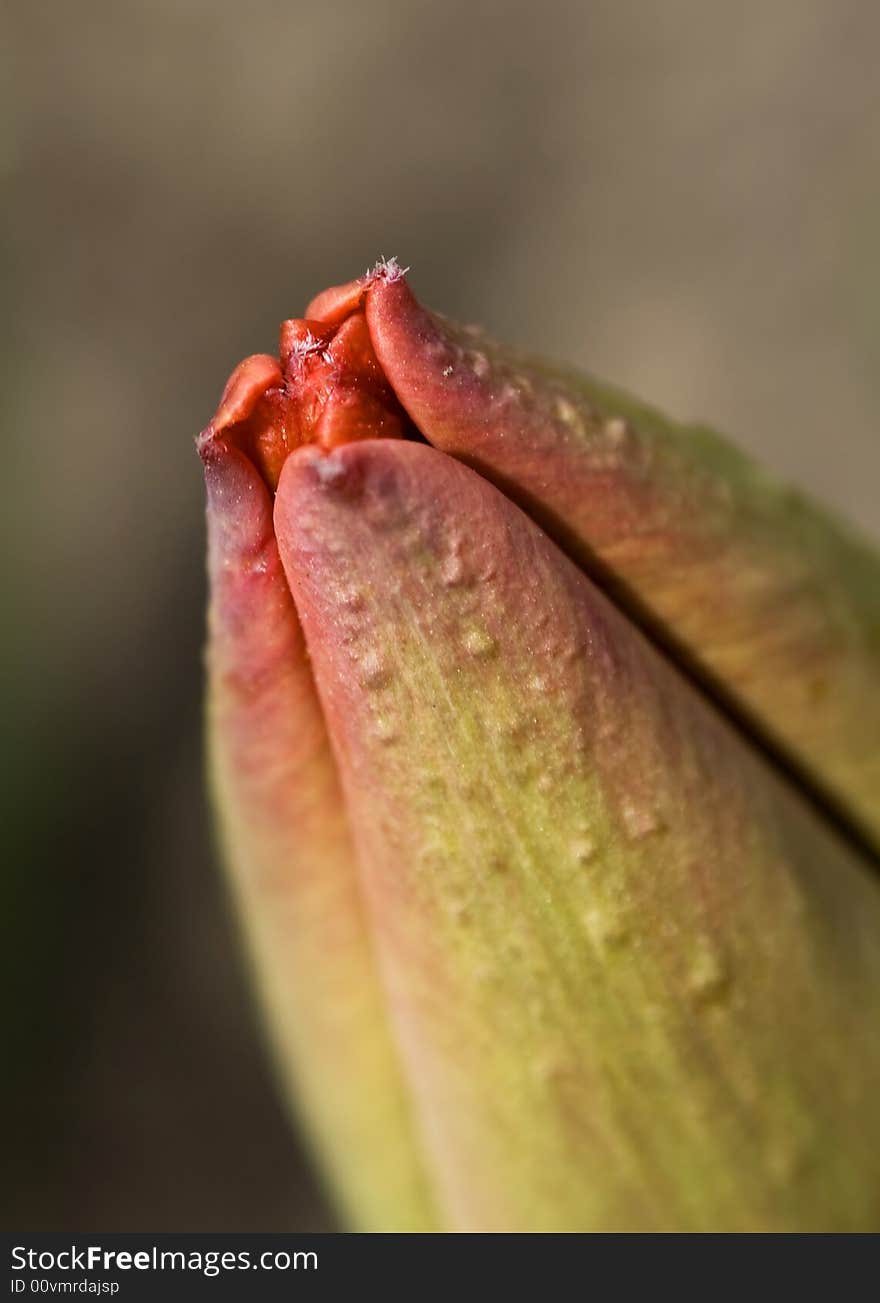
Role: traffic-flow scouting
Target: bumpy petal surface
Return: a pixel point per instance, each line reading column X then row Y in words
column 291, row 865
column 772, row 604
column 636, row 981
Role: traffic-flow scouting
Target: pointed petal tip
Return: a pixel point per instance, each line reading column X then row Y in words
column 329, row 470
column 370, row 494
column 238, row 507
column 347, row 469
column 390, row 292
column 438, row 371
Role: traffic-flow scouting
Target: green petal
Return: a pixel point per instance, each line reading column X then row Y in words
column 291, row 867
column 770, row 603
column 634, row 978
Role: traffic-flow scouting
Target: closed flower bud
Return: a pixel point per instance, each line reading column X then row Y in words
column 546, row 940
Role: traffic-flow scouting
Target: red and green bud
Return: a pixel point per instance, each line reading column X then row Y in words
column 545, row 943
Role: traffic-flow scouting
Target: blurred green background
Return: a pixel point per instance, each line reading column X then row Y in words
column 682, row 197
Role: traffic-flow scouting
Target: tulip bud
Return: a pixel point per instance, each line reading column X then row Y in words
column 545, row 942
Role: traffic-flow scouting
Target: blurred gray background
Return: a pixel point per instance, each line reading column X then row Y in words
column 683, row 197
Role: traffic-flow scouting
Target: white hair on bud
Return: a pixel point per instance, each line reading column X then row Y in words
column 387, row 269
column 305, row 347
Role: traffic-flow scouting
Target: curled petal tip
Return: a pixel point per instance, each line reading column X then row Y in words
column 335, row 304
column 244, row 388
